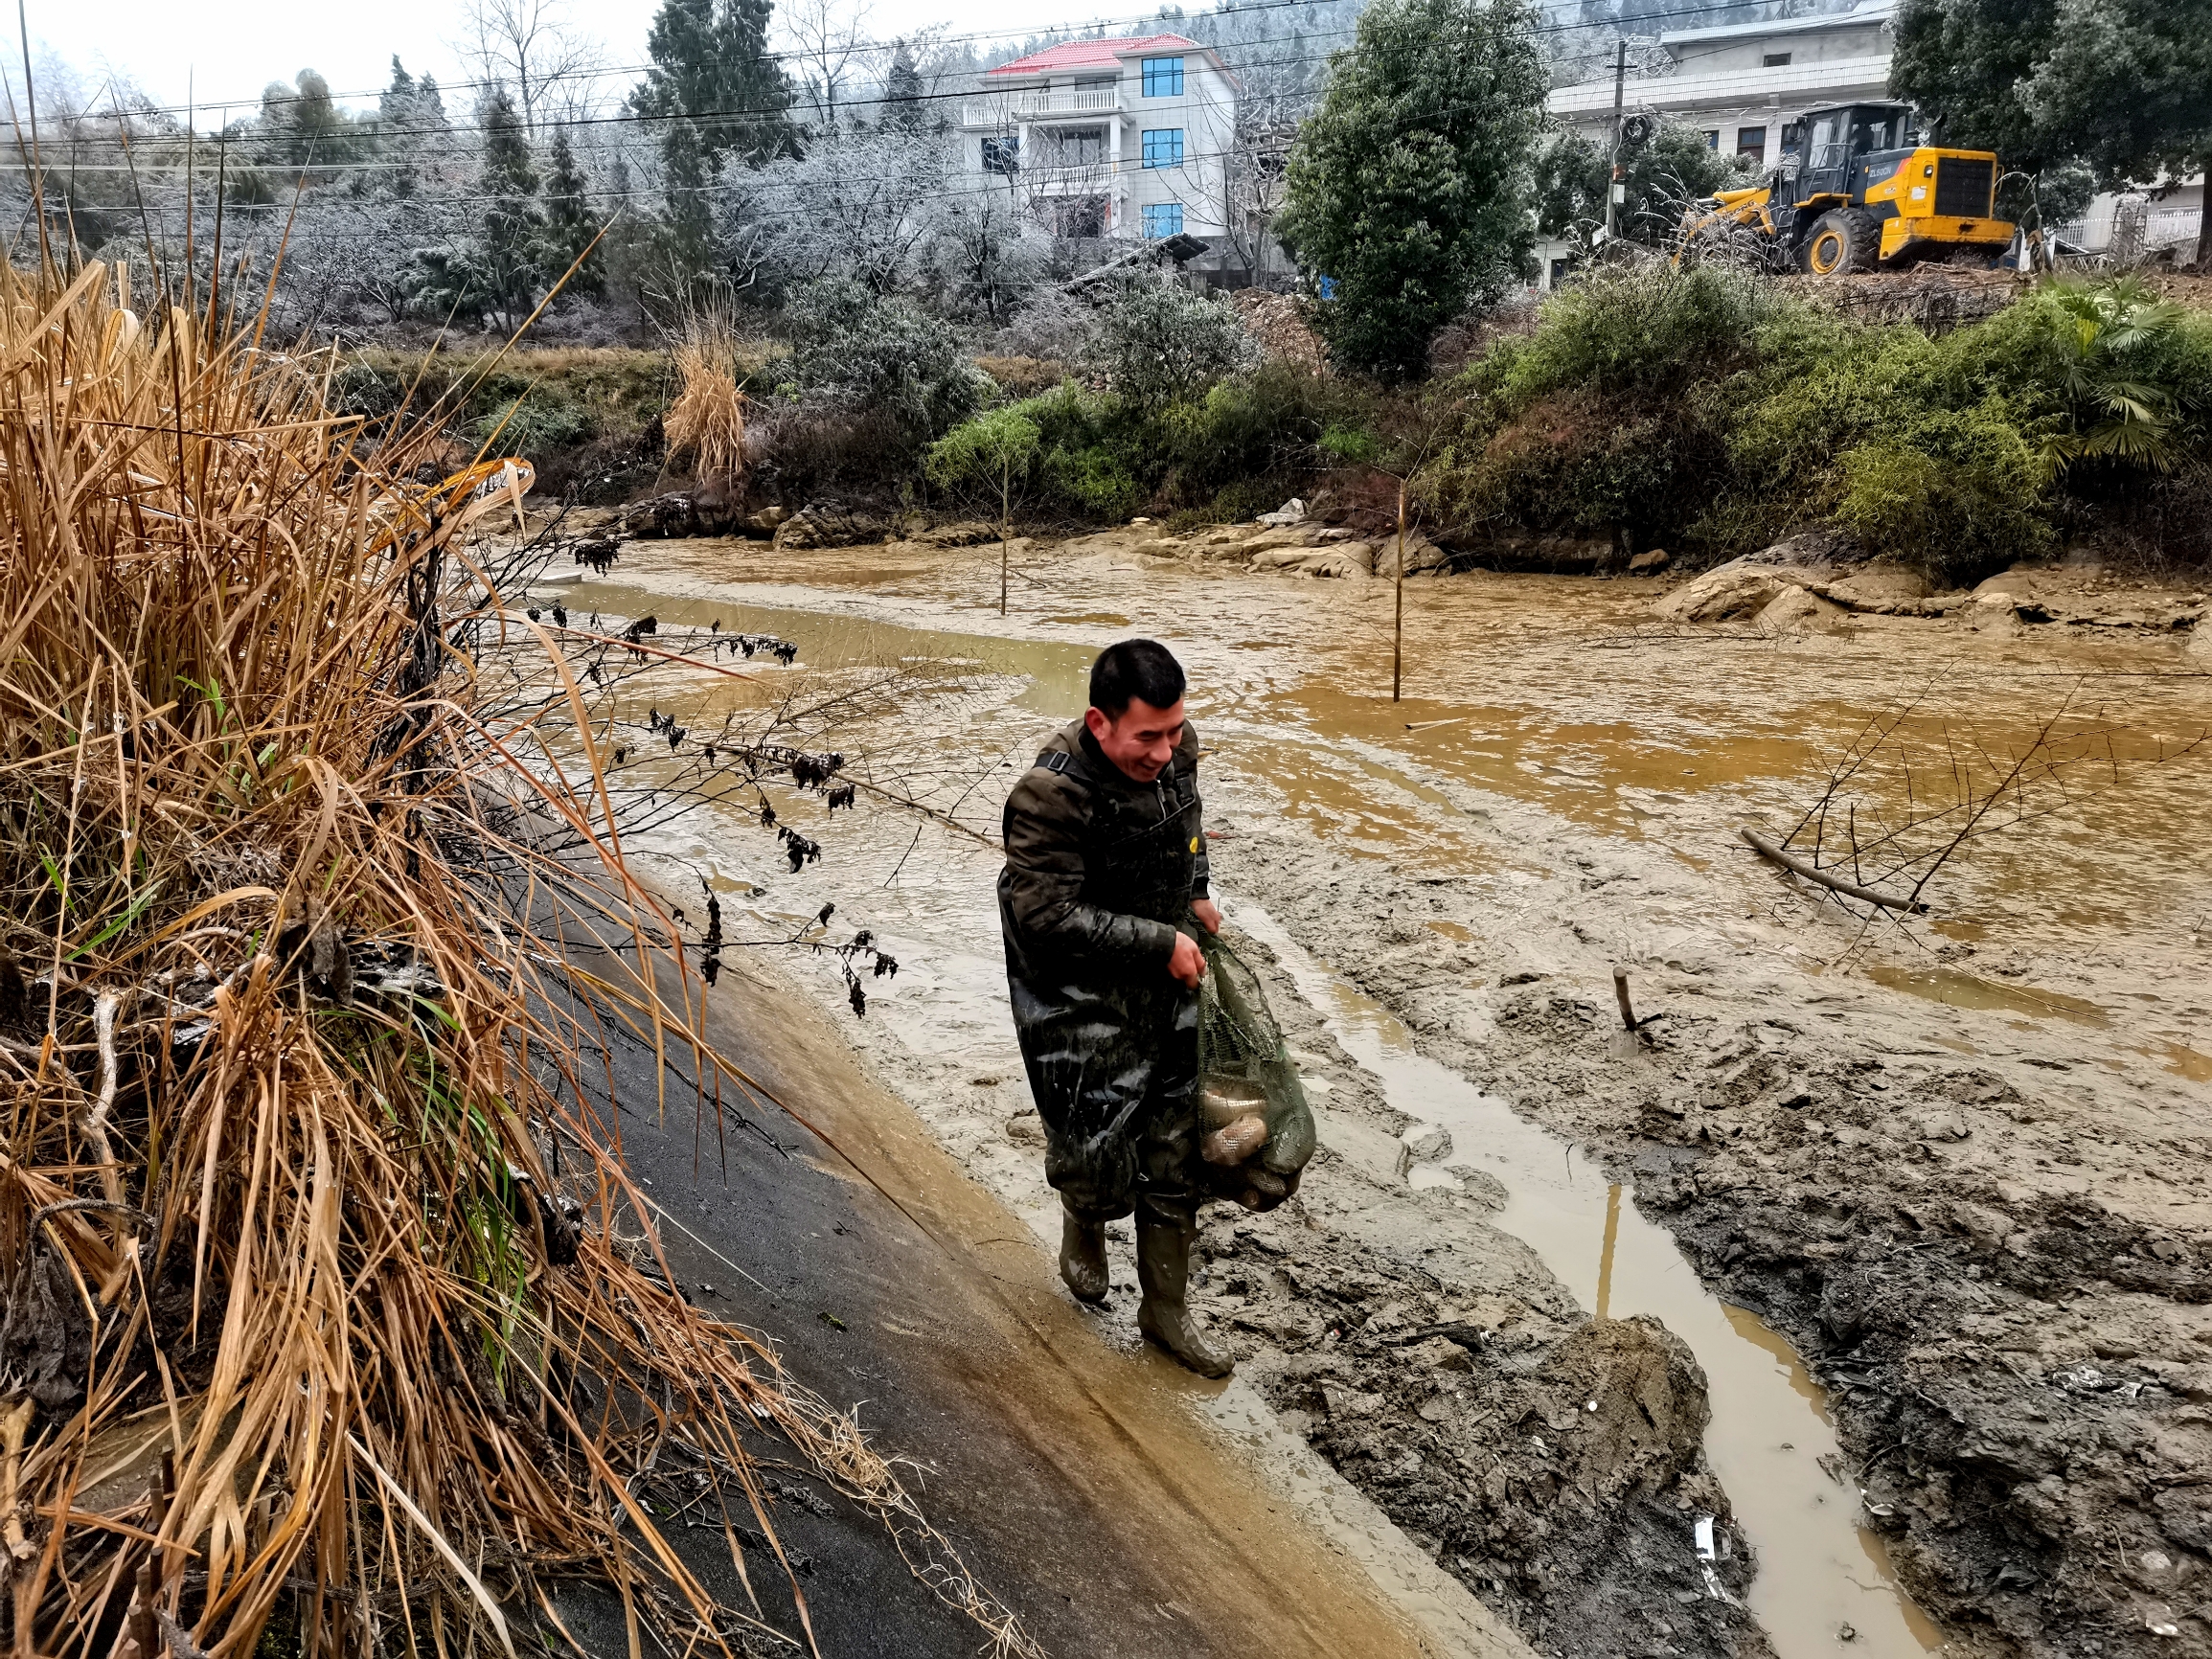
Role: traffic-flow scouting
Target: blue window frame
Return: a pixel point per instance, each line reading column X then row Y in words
column 1163, row 219
column 1163, row 78
column 1163, row 147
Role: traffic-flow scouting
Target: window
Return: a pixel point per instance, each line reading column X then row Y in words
column 1559, row 270
column 1712, row 138
column 1794, row 138
column 1163, row 219
column 1751, row 141
column 1096, row 82
column 1080, row 146
column 1163, row 78
column 1163, row 147
column 1002, row 155
column 1775, row 60
column 1826, row 143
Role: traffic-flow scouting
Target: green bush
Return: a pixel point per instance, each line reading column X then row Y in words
column 1957, row 494
column 1629, row 329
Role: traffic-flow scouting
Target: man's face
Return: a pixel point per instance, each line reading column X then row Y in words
column 1141, row 740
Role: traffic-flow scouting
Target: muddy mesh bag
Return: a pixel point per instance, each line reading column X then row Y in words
column 1257, row 1128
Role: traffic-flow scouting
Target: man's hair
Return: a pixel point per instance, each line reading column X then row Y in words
column 1139, row 669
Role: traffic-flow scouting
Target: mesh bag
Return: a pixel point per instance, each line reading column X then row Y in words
column 1257, row 1128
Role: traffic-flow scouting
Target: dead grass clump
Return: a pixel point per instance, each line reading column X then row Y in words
column 707, row 420
column 293, row 1308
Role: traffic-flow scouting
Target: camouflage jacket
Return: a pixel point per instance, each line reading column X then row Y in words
column 1099, row 867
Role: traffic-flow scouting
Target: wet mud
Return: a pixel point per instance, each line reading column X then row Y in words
column 1960, row 1166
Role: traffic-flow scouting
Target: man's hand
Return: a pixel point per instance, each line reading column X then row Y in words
column 1208, row 913
column 1186, row 963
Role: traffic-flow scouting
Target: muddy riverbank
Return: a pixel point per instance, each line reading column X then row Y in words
column 1961, row 1165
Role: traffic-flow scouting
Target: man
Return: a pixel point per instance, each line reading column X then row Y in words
column 1106, row 856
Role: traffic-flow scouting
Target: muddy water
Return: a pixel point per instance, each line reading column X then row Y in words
column 1341, row 764
column 1820, row 1570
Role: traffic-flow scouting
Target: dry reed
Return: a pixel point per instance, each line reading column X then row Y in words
column 707, row 420
column 294, row 1318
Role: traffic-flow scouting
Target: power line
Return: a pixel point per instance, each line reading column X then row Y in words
column 1236, row 9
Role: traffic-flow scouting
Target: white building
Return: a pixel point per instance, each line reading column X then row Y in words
column 1124, row 138
column 1744, row 85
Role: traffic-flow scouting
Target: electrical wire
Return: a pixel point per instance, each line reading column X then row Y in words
column 1236, row 8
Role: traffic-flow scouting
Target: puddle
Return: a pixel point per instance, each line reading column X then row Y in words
column 1818, row 1569
column 1956, row 989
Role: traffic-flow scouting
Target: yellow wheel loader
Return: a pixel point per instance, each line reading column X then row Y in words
column 1861, row 191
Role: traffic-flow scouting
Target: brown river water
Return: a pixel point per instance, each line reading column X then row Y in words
column 1531, row 701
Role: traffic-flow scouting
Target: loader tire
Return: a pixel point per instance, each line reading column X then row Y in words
column 1841, row 242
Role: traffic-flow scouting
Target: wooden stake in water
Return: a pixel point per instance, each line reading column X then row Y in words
column 1397, row 599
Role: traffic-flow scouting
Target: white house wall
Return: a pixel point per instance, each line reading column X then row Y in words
column 1206, row 113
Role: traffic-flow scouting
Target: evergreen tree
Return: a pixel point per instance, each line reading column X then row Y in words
column 903, row 92
column 570, row 224
column 2124, row 85
column 718, row 93
column 1410, row 187
column 513, row 223
column 302, row 128
column 396, row 106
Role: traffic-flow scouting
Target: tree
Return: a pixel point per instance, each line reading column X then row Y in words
column 1663, row 176
column 570, row 224
column 302, row 127
column 717, row 92
column 830, row 43
column 902, row 91
column 991, row 450
column 1409, row 187
column 529, row 46
column 513, row 222
column 2125, row 85
column 410, row 128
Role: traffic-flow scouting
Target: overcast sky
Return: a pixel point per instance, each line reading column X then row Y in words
column 230, row 51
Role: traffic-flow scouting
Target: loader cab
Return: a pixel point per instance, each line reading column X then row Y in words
column 1849, row 145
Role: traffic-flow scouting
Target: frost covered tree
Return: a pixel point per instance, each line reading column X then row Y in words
column 513, row 222
column 714, row 92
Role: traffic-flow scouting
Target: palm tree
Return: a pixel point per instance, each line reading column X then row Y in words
column 2104, row 331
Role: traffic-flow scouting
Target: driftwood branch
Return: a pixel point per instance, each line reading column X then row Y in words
column 1796, row 866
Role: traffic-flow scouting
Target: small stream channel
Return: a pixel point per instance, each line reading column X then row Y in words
column 1820, row 1570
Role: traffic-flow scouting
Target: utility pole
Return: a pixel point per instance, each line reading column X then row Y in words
column 1614, row 189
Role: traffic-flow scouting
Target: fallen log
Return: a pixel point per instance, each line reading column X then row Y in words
column 1812, row 871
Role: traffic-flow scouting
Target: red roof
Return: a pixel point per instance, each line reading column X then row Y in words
column 1093, row 53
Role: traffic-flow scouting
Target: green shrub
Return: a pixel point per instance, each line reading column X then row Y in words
column 989, row 456
column 1580, row 461
column 1630, row 328
column 1958, row 495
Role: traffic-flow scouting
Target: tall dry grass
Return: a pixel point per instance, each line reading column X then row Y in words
column 707, row 420
column 293, row 1317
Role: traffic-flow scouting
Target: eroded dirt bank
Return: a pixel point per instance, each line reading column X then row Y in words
column 1962, row 1164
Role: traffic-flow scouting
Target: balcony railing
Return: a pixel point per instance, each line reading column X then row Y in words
column 1036, row 104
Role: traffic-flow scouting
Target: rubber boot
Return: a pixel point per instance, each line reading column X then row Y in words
column 1083, row 1258
column 1163, row 1269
